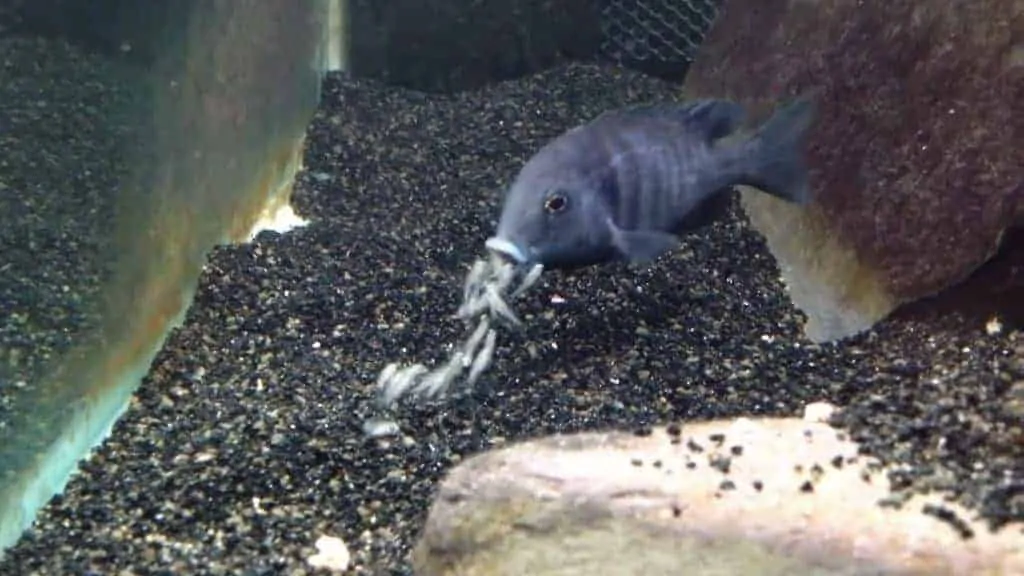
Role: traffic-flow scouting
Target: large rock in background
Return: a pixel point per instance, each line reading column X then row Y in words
column 918, row 153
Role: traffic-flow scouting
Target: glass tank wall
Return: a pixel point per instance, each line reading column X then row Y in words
column 134, row 136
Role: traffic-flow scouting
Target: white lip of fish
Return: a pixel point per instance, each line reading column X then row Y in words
column 506, row 248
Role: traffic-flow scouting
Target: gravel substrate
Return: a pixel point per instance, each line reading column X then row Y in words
column 65, row 122
column 245, row 444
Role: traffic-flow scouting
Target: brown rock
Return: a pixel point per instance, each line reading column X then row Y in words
column 917, row 156
column 741, row 497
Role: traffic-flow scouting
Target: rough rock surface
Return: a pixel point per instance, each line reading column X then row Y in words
column 771, row 496
column 917, row 155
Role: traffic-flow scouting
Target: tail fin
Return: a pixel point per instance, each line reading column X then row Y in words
column 776, row 163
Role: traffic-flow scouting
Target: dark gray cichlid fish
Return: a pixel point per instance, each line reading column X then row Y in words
column 626, row 185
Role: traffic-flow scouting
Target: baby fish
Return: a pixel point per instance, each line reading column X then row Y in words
column 499, row 308
column 441, row 378
column 528, row 281
column 399, row 382
column 483, row 358
column 475, row 339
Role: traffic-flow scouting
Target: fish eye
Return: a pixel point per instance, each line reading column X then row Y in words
column 555, row 203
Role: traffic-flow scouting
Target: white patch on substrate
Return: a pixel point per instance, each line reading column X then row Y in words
column 332, row 554
column 282, row 220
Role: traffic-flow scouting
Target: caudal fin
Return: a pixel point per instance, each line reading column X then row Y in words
column 775, row 163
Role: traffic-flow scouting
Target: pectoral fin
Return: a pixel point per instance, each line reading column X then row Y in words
column 642, row 247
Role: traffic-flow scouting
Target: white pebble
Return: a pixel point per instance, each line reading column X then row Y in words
column 993, row 326
column 332, row 554
column 818, row 412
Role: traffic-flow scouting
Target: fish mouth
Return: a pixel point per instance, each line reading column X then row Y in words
column 506, row 249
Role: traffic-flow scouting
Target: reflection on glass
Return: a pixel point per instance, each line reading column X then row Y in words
column 122, row 162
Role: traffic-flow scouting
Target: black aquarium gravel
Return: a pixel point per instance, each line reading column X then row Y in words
column 66, row 119
column 245, row 443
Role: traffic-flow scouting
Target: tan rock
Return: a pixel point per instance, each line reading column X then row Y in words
column 783, row 496
column 917, row 156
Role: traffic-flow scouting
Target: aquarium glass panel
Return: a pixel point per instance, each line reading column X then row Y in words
column 134, row 137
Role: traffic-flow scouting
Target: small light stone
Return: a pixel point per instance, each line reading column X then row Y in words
column 993, row 326
column 332, row 554
column 818, row 412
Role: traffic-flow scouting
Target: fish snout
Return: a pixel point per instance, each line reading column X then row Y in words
column 507, row 249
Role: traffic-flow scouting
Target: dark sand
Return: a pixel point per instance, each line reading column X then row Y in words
column 60, row 164
column 244, row 444
column 65, row 123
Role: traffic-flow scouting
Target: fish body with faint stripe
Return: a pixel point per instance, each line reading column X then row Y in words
column 628, row 184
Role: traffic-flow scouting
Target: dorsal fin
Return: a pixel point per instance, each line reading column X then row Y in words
column 714, row 118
